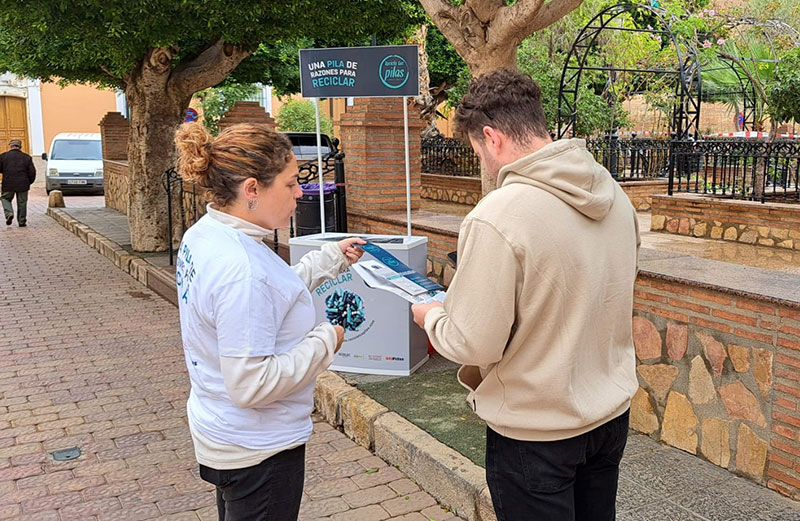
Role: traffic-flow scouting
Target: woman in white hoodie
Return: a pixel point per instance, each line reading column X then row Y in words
column 247, row 321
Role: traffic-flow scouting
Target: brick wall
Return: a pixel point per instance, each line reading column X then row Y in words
column 771, row 224
column 455, row 189
column 246, row 112
column 719, row 375
column 440, row 242
column 641, row 192
column 114, row 130
column 372, row 136
column 115, row 175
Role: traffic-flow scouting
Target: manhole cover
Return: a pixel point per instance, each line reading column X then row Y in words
column 66, row 454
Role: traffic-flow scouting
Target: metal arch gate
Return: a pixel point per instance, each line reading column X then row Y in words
column 686, row 115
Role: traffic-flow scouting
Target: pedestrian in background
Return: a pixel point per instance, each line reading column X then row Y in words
column 540, row 310
column 247, row 321
column 18, row 176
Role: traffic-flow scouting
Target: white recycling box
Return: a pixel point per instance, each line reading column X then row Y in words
column 380, row 334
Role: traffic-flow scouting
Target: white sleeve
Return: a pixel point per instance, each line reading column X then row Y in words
column 246, row 315
column 317, row 266
column 258, row 381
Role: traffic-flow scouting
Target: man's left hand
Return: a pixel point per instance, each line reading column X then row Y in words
column 420, row 310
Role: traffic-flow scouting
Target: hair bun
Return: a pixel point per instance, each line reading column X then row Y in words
column 192, row 142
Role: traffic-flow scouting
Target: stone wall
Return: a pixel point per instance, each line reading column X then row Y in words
column 641, row 192
column 115, row 174
column 719, row 377
column 440, row 242
column 454, row 189
column 771, row 224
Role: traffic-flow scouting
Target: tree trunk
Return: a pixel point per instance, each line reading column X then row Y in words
column 486, row 33
column 424, row 102
column 159, row 94
column 491, row 59
column 154, row 120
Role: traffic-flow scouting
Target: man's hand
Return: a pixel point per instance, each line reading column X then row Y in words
column 420, row 310
column 350, row 250
column 339, row 338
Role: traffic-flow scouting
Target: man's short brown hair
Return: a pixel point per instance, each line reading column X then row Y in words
column 504, row 100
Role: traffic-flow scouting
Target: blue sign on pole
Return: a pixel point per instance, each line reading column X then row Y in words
column 360, row 72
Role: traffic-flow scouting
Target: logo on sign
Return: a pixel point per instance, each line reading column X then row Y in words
column 393, row 71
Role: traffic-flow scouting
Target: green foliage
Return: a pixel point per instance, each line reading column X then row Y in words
column 783, row 93
column 298, row 116
column 215, row 102
column 101, row 41
column 444, row 63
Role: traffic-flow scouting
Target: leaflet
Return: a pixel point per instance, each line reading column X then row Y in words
column 386, row 272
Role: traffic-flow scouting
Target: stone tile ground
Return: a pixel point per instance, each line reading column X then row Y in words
column 89, row 358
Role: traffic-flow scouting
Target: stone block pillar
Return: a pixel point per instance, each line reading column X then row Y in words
column 372, row 137
column 246, row 112
column 114, row 130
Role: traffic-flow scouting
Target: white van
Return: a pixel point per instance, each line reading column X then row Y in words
column 75, row 163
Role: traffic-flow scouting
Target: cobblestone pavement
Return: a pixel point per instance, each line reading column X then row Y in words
column 91, row 359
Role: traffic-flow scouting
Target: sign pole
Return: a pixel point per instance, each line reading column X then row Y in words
column 319, row 170
column 408, row 167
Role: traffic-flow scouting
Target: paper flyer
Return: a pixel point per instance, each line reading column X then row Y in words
column 386, row 272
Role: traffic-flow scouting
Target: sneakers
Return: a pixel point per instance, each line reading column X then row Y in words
column 23, row 225
column 9, row 218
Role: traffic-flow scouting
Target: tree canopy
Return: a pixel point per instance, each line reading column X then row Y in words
column 102, row 41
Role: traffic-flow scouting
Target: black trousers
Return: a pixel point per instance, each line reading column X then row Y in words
column 269, row 491
column 565, row 480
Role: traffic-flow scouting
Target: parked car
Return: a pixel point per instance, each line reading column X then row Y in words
column 75, row 163
column 304, row 145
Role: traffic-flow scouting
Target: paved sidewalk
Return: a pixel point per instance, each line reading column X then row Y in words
column 89, row 358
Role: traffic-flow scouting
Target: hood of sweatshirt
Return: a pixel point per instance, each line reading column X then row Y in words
column 567, row 170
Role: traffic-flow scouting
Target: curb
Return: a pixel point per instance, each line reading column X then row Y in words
column 445, row 474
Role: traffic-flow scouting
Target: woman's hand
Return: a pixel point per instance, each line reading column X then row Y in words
column 339, row 338
column 351, row 250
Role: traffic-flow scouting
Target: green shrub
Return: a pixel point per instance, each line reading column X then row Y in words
column 298, row 116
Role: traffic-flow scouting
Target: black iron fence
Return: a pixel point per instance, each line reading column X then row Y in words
column 186, row 203
column 449, row 156
column 737, row 168
column 626, row 159
column 631, row 159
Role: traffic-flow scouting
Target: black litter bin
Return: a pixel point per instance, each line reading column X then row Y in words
column 307, row 213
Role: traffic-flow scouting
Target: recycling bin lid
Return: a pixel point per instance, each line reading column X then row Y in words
column 313, row 188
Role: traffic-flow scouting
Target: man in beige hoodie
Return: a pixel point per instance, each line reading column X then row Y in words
column 540, row 309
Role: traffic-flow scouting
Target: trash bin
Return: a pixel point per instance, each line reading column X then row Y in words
column 307, row 213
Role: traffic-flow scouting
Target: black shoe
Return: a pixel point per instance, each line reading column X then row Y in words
column 9, row 219
column 23, row 225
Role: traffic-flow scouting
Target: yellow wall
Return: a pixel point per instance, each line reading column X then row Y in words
column 76, row 108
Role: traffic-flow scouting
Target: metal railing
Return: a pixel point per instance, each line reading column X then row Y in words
column 631, row 159
column 187, row 203
column 449, row 156
column 737, row 168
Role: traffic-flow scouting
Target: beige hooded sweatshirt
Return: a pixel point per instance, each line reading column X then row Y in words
column 540, row 309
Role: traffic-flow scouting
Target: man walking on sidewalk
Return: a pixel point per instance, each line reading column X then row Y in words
column 540, row 310
column 18, row 176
